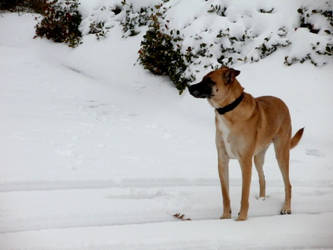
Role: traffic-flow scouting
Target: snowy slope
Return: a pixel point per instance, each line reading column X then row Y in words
column 97, row 153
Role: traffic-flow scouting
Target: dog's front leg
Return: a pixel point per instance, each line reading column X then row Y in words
column 246, row 167
column 223, row 167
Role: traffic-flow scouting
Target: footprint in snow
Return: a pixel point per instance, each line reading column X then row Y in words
column 313, row 152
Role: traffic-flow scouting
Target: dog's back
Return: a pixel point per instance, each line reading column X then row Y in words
column 274, row 119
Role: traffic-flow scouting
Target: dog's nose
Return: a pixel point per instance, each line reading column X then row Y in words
column 195, row 93
column 199, row 90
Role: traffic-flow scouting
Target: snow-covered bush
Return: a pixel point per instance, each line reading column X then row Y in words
column 61, row 22
column 99, row 29
column 105, row 15
column 161, row 54
column 215, row 33
column 316, row 26
column 14, row 5
column 9, row 4
column 206, row 37
column 184, row 39
column 134, row 19
column 101, row 19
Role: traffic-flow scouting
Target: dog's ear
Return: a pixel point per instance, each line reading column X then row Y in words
column 230, row 75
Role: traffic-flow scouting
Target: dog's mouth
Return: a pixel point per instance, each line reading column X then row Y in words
column 200, row 91
column 198, row 94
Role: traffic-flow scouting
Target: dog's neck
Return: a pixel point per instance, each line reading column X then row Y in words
column 231, row 106
column 232, row 99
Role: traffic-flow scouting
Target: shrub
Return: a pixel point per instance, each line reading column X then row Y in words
column 184, row 55
column 101, row 20
column 99, row 29
column 106, row 16
column 9, row 4
column 134, row 19
column 14, row 5
column 218, row 9
column 273, row 42
column 38, row 5
column 321, row 49
column 160, row 54
column 61, row 23
column 231, row 46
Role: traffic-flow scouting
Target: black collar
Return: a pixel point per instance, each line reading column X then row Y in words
column 230, row 106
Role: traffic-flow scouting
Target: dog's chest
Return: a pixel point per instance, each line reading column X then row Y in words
column 226, row 136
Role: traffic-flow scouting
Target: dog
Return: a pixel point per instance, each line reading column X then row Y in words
column 245, row 127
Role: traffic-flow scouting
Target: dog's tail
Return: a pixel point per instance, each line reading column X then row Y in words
column 297, row 137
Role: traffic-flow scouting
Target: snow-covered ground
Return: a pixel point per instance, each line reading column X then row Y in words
column 97, row 153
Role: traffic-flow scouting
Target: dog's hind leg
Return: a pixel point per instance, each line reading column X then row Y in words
column 281, row 145
column 259, row 162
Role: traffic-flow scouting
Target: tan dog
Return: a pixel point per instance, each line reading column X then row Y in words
column 245, row 127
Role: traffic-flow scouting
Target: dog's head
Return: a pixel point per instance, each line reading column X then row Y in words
column 215, row 85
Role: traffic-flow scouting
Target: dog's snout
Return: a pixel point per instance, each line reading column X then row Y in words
column 195, row 93
column 200, row 90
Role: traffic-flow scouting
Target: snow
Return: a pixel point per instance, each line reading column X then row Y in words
column 97, row 153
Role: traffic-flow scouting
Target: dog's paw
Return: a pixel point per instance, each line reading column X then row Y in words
column 285, row 211
column 241, row 217
column 261, row 198
column 225, row 216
